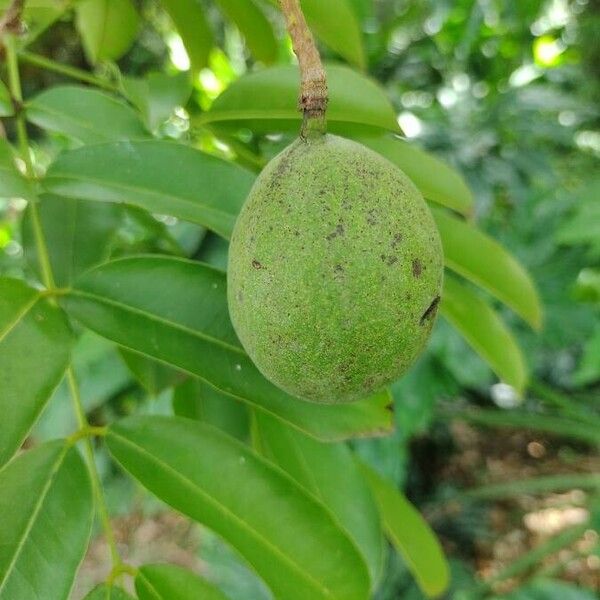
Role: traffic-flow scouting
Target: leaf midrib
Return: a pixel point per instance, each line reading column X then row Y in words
column 157, row 319
column 227, row 513
column 20, row 315
column 32, row 519
column 139, row 190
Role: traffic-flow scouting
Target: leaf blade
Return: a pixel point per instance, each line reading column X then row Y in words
column 85, row 114
column 108, row 28
column 158, row 176
column 479, row 258
column 156, row 450
column 12, row 182
column 37, row 488
column 328, row 471
column 189, row 20
column 483, row 329
column 411, row 536
column 335, row 23
column 255, row 27
column 35, row 345
column 163, row 582
column 267, row 101
column 106, row 592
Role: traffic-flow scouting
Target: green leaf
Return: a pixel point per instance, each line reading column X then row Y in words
column 45, row 526
column 435, row 179
column 583, row 226
column 588, row 370
column 329, row 472
column 84, row 114
column 106, row 592
column 158, row 95
column 477, row 257
column 6, row 105
column 267, row 101
column 284, row 533
column 12, row 182
column 78, row 235
column 153, row 376
column 411, row 535
column 483, row 329
column 159, row 176
column 167, row 582
column 587, row 432
column 175, row 311
column 255, row 27
column 108, row 28
column 35, row 344
column 189, row 20
column 549, row 589
column 197, row 400
column 335, row 23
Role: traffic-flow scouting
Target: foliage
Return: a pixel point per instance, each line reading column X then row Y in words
column 122, row 176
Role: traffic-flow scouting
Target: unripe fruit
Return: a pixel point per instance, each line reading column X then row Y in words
column 335, row 271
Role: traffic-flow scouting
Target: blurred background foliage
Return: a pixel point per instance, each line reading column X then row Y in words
column 506, row 92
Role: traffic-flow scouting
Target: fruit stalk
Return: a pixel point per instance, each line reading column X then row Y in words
column 313, row 81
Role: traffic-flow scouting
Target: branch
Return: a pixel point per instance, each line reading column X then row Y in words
column 313, row 82
column 11, row 19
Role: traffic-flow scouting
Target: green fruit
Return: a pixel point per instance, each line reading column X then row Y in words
column 335, row 271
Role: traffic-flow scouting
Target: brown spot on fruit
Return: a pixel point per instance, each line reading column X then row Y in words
column 396, row 240
column 417, row 267
column 339, row 230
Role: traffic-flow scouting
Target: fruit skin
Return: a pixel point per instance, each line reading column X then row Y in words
column 335, row 271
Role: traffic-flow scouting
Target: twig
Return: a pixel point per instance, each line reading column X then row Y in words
column 11, row 19
column 313, row 81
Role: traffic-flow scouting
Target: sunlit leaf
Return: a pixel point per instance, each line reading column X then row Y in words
column 289, row 538
column 175, row 311
column 47, row 511
column 12, row 182
column 35, row 344
column 477, row 257
column 411, row 535
column 84, row 114
column 157, row 95
column 485, row 331
column 107, row 27
column 267, row 100
column 436, row 180
column 255, row 27
column 167, row 582
column 330, row 472
column 335, row 23
column 159, row 176
column 189, row 20
column 78, row 235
